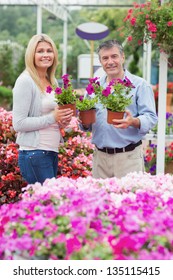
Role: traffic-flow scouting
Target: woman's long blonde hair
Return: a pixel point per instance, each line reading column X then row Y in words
column 30, row 59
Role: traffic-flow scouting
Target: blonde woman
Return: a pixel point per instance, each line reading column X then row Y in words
column 36, row 117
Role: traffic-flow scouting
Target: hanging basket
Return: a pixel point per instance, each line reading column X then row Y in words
column 87, row 117
column 114, row 115
column 71, row 106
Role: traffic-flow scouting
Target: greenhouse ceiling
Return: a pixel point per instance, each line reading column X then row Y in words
column 68, row 3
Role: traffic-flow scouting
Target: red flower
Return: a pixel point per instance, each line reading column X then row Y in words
column 170, row 23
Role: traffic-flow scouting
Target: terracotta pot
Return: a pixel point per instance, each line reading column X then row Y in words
column 169, row 167
column 88, row 116
column 114, row 115
column 169, row 102
column 71, row 106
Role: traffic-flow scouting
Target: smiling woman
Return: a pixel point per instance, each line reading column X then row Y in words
column 36, row 117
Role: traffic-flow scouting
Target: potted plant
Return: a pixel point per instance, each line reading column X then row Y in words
column 86, row 105
column 115, row 97
column 150, row 21
column 168, row 96
column 65, row 96
column 150, row 158
column 169, row 125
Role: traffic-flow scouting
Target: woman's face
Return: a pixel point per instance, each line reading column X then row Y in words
column 44, row 56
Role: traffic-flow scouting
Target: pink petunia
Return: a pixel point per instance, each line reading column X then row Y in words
column 106, row 91
column 49, row 89
column 58, row 90
column 90, row 89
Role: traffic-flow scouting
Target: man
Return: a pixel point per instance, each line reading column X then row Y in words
column 118, row 147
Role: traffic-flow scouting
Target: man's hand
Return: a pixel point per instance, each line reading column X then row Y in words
column 127, row 121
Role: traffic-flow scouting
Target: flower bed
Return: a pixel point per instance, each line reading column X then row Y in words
column 75, row 156
column 82, row 218
column 91, row 219
column 11, row 182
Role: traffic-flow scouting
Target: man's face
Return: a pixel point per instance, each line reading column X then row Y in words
column 112, row 61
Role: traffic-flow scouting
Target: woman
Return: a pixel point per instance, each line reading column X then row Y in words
column 36, row 117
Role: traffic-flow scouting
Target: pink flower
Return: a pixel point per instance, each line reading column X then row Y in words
column 106, row 91
column 58, row 90
column 49, row 89
column 73, row 244
column 169, row 23
column 152, row 27
column 133, row 21
column 130, row 38
column 66, row 80
column 90, row 89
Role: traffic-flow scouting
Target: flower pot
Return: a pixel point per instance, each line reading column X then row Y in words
column 88, row 116
column 114, row 115
column 169, row 167
column 71, row 106
column 169, row 102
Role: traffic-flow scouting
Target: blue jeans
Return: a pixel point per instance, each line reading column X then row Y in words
column 37, row 165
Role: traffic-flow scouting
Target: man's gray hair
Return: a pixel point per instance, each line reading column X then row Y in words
column 109, row 44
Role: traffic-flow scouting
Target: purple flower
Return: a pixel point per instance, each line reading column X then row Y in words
column 90, row 89
column 58, row 90
column 49, row 89
column 128, row 83
column 73, row 244
column 81, row 97
column 106, row 91
column 66, row 80
column 94, row 81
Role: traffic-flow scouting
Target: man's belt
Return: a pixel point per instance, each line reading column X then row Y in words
column 128, row 148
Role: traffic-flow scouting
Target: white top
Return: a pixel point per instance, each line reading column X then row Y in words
column 49, row 136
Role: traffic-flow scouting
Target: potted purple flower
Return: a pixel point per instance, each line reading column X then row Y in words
column 116, row 97
column 86, row 106
column 65, row 96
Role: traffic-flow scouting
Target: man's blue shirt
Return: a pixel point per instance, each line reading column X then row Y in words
column 142, row 107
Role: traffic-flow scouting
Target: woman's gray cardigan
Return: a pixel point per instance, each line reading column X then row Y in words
column 27, row 119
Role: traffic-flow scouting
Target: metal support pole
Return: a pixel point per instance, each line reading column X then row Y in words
column 144, row 61
column 39, row 19
column 147, row 61
column 148, row 78
column 92, row 58
column 163, row 71
column 64, row 62
column 163, row 67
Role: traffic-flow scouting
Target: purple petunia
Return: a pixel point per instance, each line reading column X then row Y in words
column 49, row 89
column 106, row 91
column 58, row 90
column 90, row 89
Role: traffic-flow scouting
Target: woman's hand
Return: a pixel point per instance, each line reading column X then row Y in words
column 63, row 116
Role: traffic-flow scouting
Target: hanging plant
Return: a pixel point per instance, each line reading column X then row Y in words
column 150, row 21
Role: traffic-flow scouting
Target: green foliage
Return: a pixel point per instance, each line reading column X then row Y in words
column 6, row 66
column 18, row 24
column 116, row 102
column 119, row 99
column 6, row 97
column 150, row 21
column 83, row 104
column 16, row 20
column 133, row 66
column 11, row 63
column 68, row 96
